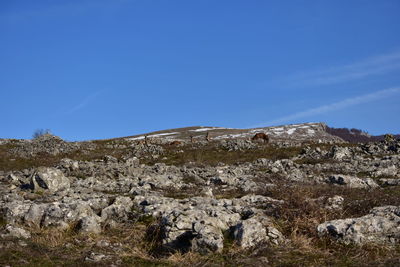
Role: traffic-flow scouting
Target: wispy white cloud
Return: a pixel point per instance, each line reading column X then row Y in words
column 349, row 102
column 86, row 101
column 376, row 65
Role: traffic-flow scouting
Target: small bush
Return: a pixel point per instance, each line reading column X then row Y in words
column 40, row 132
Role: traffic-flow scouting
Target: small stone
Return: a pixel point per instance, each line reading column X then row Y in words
column 89, row 225
column 351, row 181
column 102, row 243
column 95, row 257
column 22, row 243
column 16, row 232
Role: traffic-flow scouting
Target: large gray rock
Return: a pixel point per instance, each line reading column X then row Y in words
column 61, row 215
column 35, row 214
column 90, row 224
column 381, row 225
column 389, row 171
column 250, row 233
column 193, row 229
column 54, row 216
column 118, row 211
column 340, row 153
column 208, row 237
column 390, row 182
column 243, row 182
column 15, row 211
column 178, row 225
column 50, row 179
column 351, row 181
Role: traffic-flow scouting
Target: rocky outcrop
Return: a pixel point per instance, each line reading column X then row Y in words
column 207, row 237
column 238, row 145
column 192, row 229
column 352, row 182
column 340, row 153
column 57, row 214
column 47, row 144
column 382, row 147
column 390, row 182
column 199, row 223
column 146, row 150
column 118, row 211
column 15, row 232
column 381, row 225
column 90, row 224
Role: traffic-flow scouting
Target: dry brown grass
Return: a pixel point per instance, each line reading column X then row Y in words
column 138, row 244
column 10, row 162
column 212, row 155
column 51, row 237
column 298, row 218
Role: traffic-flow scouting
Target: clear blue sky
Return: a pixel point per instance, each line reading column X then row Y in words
column 92, row 69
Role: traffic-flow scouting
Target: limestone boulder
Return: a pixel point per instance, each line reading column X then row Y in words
column 50, row 179
column 381, row 225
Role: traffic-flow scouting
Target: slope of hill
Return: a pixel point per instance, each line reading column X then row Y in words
column 293, row 132
column 307, row 198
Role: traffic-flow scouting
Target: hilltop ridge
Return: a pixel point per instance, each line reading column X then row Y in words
column 294, row 132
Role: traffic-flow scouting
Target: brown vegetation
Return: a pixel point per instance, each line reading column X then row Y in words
column 137, row 243
column 212, row 155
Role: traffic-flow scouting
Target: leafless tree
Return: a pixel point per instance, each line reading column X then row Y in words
column 40, row 132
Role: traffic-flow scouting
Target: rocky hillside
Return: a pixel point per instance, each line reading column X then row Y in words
column 293, row 132
column 178, row 198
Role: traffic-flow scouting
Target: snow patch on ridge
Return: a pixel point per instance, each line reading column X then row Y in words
column 153, row 135
column 206, row 129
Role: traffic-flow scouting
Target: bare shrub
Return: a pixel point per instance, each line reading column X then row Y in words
column 40, row 132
